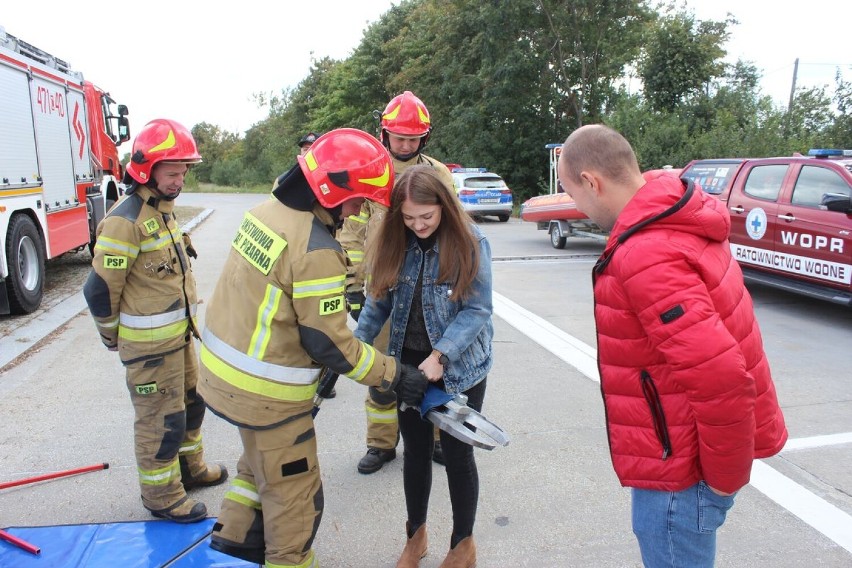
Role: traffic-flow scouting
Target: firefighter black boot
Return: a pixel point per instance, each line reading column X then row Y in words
column 374, row 459
column 184, row 511
column 252, row 547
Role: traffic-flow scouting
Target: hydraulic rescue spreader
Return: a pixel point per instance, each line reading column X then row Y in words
column 448, row 412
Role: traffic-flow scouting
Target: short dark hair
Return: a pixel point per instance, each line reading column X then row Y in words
column 598, row 147
column 308, row 138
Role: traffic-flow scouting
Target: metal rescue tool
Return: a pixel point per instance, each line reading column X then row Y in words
column 451, row 414
column 448, row 412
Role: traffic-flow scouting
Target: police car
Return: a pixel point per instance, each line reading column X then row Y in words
column 791, row 218
column 483, row 193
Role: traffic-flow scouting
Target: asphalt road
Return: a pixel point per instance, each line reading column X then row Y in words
column 549, row 499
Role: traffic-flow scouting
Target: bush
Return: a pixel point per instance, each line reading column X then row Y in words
column 228, row 172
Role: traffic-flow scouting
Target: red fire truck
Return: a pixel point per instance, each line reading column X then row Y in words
column 59, row 166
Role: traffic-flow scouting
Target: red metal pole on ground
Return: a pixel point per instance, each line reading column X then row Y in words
column 47, row 476
column 22, row 544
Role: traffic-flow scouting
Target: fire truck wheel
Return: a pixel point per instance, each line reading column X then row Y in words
column 25, row 255
column 557, row 240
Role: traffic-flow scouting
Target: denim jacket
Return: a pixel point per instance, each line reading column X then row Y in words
column 460, row 330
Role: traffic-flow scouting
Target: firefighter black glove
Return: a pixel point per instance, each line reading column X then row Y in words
column 327, row 380
column 187, row 243
column 410, row 384
column 355, row 301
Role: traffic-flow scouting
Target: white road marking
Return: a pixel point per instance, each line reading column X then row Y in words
column 812, row 509
column 564, row 346
column 818, row 441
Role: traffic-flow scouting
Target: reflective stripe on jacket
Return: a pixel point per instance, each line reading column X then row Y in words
column 141, row 290
column 277, row 315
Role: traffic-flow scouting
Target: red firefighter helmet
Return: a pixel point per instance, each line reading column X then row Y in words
column 406, row 115
column 348, row 163
column 161, row 140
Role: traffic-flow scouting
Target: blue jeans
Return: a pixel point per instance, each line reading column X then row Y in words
column 677, row 529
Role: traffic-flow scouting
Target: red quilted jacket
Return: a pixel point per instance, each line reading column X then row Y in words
column 686, row 385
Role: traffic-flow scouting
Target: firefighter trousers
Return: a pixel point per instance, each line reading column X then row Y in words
column 168, row 417
column 380, row 407
column 276, row 499
column 382, row 419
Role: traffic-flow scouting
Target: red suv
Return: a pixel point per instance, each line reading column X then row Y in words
column 791, row 218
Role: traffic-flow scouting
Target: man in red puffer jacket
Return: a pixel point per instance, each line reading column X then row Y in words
column 687, row 389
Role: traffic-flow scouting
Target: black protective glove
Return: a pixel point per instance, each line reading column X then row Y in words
column 355, row 301
column 327, row 380
column 410, row 384
column 187, row 243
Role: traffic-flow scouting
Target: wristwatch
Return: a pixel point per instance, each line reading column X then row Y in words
column 442, row 359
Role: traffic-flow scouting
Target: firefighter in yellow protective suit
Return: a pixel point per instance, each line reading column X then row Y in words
column 277, row 316
column 141, row 293
column 405, row 128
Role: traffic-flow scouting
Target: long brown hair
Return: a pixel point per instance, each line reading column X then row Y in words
column 458, row 262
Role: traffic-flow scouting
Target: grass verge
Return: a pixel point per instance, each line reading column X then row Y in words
column 213, row 188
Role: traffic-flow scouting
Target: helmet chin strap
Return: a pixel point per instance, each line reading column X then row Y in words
column 336, row 215
column 405, row 157
column 152, row 185
column 385, row 139
column 165, row 197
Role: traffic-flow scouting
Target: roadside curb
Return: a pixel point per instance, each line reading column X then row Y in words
column 25, row 337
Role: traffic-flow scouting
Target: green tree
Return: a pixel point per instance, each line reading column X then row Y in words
column 590, row 43
column 839, row 134
column 503, row 78
column 214, row 145
column 810, row 118
column 682, row 56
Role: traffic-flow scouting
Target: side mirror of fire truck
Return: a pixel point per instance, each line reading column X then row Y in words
column 123, row 128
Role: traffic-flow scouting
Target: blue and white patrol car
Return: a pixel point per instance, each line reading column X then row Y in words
column 483, row 193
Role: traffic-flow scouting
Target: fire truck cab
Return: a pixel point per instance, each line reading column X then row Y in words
column 59, row 166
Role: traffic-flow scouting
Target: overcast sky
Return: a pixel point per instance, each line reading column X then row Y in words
column 199, row 61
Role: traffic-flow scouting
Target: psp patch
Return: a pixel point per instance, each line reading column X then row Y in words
column 148, row 388
column 333, row 305
column 151, row 226
column 115, row 262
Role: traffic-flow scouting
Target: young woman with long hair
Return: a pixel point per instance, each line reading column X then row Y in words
column 430, row 273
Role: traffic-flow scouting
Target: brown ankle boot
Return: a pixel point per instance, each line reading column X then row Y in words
column 462, row 556
column 415, row 549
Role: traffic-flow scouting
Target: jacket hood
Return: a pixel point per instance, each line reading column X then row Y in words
column 294, row 191
column 675, row 204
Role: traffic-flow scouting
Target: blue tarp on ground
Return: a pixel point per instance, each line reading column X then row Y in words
column 145, row 544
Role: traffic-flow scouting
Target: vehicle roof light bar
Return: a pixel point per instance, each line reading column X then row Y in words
column 828, row 152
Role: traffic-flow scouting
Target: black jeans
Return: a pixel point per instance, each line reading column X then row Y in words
column 462, row 476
